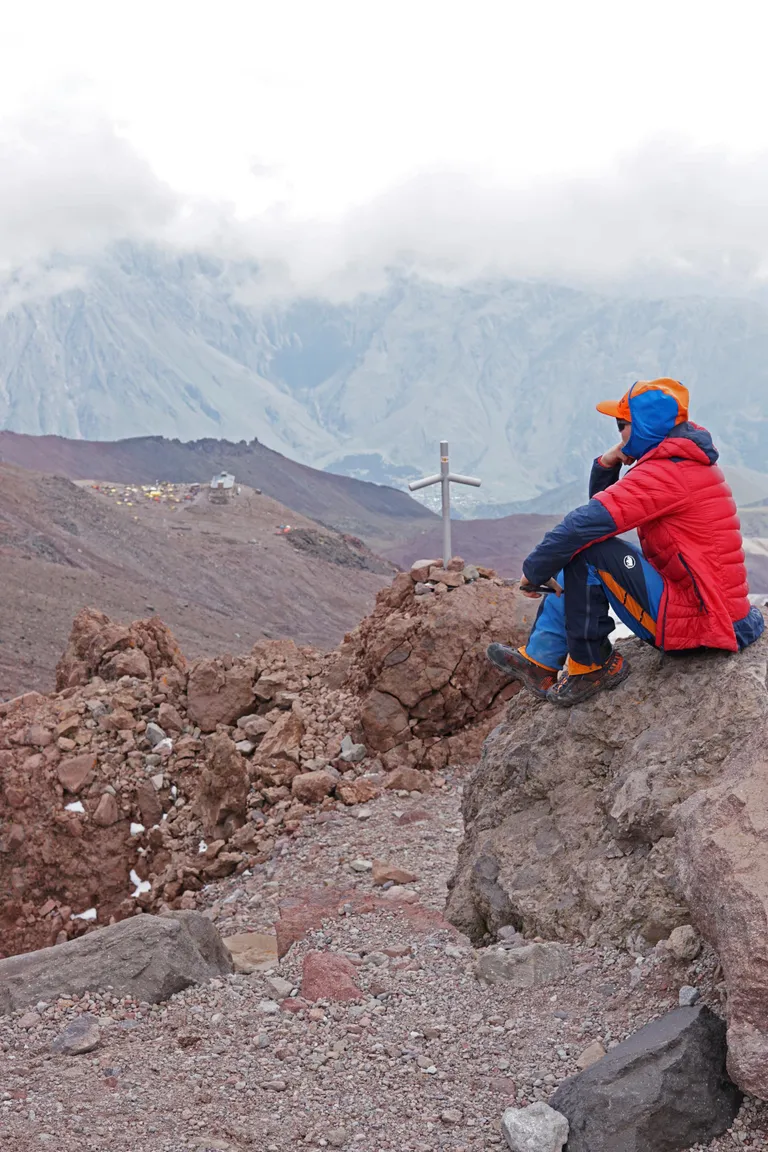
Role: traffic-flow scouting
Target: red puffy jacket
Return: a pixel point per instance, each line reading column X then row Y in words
column 682, row 507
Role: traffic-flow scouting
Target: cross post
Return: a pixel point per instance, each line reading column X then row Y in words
column 445, row 478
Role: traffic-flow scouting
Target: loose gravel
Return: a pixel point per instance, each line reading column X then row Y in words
column 427, row 1059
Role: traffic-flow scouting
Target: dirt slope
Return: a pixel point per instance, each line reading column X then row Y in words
column 220, row 576
column 372, row 511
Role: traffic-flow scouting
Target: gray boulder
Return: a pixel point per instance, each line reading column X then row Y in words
column 663, row 1089
column 78, row 1037
column 530, row 966
column 571, row 828
column 537, row 1128
column 146, row 957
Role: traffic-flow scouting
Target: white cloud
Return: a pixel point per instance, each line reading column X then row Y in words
column 72, row 185
column 667, row 212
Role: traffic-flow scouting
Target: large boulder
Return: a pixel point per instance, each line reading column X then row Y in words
column 571, row 815
column 419, row 667
column 220, row 692
column 147, row 958
column 663, row 1089
column 723, row 867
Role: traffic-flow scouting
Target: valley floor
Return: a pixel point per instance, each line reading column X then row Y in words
column 428, row 1059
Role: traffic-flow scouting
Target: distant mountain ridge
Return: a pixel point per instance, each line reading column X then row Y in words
column 156, row 344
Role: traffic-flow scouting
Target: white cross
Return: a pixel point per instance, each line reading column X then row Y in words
column 445, row 478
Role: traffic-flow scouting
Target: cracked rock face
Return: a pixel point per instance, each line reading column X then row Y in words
column 643, row 810
column 423, row 674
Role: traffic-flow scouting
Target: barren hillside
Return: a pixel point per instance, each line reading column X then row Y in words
column 377, row 513
column 221, row 576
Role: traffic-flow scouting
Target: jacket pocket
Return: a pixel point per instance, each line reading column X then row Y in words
column 702, row 605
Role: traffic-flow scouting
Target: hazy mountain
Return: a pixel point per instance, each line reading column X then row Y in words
column 507, row 372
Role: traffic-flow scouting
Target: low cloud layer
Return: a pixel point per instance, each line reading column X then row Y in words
column 667, row 214
column 71, row 186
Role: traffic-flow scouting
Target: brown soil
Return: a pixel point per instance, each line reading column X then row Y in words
column 219, row 575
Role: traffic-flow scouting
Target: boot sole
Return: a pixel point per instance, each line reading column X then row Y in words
column 608, row 686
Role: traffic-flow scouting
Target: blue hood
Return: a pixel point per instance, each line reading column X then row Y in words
column 654, row 414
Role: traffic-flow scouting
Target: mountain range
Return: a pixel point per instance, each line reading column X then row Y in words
column 152, row 343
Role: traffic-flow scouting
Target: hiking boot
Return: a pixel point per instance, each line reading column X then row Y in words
column 514, row 664
column 572, row 688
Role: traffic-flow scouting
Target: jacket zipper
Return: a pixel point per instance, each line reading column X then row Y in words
column 681, row 558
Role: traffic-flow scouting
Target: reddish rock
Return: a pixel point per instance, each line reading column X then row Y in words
column 221, row 801
column 420, row 570
column 312, row 787
column 294, row 1004
column 384, row 873
column 407, row 780
column 12, row 838
column 359, row 791
column 95, row 640
column 169, row 719
column 74, row 772
column 422, row 673
column 384, row 721
column 131, row 662
column 149, row 805
column 38, row 736
column 327, row 976
column 118, row 720
column 283, row 740
column 107, row 812
column 446, row 577
column 413, row 816
column 219, row 695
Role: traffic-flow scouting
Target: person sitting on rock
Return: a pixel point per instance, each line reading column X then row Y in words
column 686, row 589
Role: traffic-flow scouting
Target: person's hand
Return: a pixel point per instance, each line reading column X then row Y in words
column 524, row 587
column 614, row 456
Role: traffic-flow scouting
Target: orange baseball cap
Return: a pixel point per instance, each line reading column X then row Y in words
column 620, row 409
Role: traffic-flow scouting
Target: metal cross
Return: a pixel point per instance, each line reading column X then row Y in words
column 445, row 478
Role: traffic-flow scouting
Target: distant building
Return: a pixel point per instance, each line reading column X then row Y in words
column 222, row 488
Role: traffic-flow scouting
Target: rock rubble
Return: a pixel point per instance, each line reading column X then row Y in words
column 143, row 779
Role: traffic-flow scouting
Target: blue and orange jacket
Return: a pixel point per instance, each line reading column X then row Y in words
column 678, row 500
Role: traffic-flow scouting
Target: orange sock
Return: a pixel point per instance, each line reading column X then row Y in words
column 576, row 669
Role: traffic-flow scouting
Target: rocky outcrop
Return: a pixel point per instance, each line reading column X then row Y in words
column 643, row 811
column 99, row 647
column 723, row 866
column 114, row 798
column 663, row 1089
column 571, row 816
column 147, row 958
column 428, row 694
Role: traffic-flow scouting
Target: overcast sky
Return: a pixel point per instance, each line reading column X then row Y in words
column 334, row 139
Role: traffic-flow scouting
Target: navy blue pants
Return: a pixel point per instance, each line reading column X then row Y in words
column 578, row 623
